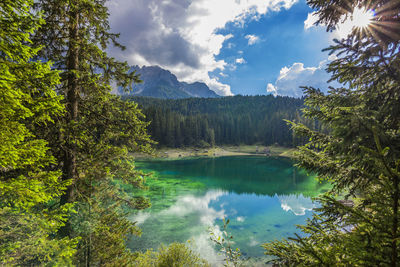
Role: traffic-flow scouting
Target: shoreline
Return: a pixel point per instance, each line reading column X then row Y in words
column 219, row 151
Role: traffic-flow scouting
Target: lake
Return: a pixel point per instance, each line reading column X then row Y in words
column 263, row 197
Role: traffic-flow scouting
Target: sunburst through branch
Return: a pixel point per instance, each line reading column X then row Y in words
column 360, row 19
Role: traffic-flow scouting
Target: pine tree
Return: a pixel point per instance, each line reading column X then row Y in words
column 28, row 220
column 93, row 139
column 360, row 152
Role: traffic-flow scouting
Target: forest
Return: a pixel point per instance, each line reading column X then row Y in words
column 205, row 122
column 66, row 142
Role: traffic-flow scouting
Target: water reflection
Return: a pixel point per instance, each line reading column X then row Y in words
column 298, row 204
column 241, row 175
column 264, row 199
column 183, row 211
column 254, row 219
column 190, row 204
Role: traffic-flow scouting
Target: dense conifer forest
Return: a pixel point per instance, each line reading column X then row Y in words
column 233, row 120
column 67, row 143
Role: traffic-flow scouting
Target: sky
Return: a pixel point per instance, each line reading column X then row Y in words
column 248, row 47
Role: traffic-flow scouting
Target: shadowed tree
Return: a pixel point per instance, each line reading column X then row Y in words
column 360, row 152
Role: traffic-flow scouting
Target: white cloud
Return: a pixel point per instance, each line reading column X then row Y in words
column 291, row 78
column 181, row 35
column 332, row 57
column 230, row 45
column 311, row 19
column 271, row 89
column 240, row 60
column 229, row 36
column 232, row 67
column 218, row 87
column 252, row 39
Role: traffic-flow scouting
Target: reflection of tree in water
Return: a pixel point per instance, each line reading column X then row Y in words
column 294, row 176
column 249, row 175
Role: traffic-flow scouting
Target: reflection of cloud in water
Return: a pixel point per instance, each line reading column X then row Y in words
column 240, row 219
column 202, row 245
column 141, row 217
column 298, row 204
column 187, row 205
column 253, row 242
column 233, row 212
column 192, row 204
column 195, row 205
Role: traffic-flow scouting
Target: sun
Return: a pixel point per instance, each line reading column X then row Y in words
column 361, row 18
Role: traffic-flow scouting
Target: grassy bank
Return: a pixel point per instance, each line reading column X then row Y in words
column 218, row 151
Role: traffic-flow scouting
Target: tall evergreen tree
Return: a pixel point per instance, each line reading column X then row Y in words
column 92, row 141
column 360, row 152
column 28, row 220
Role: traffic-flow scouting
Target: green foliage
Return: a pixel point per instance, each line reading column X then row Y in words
column 234, row 120
column 224, row 242
column 27, row 238
column 175, row 255
column 28, row 221
column 360, row 154
column 92, row 140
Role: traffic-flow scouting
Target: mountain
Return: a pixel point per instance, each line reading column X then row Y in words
column 161, row 83
column 198, row 89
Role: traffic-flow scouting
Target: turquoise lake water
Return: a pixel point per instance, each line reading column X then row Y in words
column 263, row 197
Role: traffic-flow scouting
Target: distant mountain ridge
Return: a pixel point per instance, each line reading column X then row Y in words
column 161, row 83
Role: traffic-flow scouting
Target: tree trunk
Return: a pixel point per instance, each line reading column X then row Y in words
column 69, row 162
